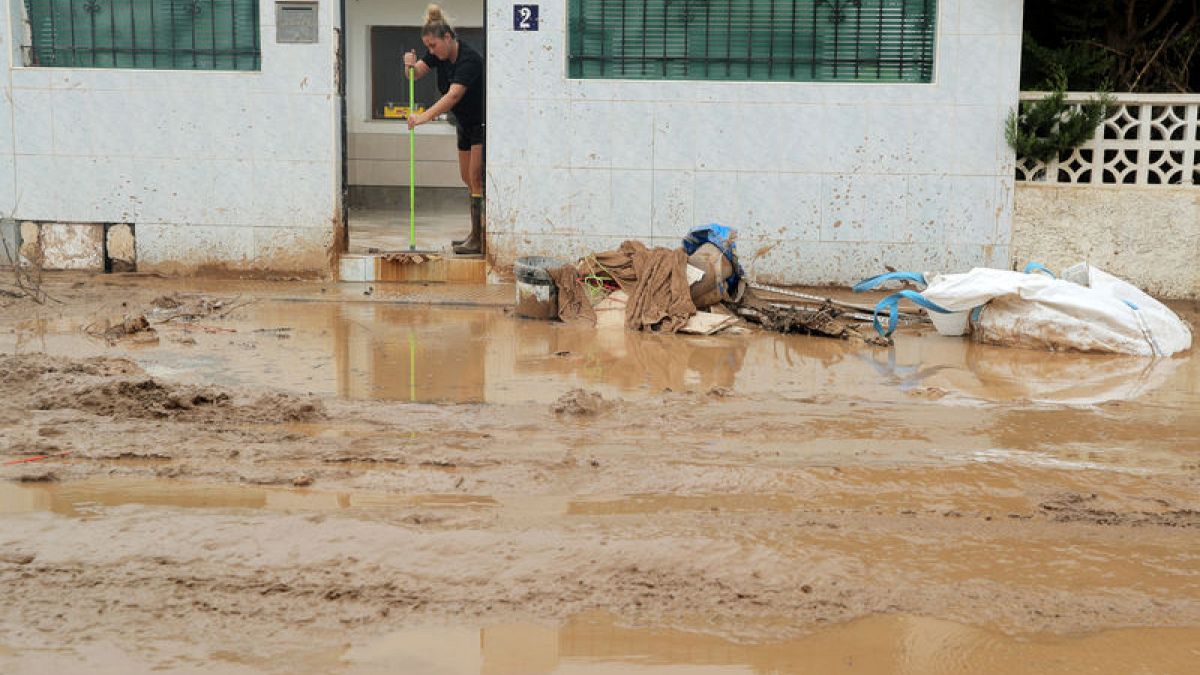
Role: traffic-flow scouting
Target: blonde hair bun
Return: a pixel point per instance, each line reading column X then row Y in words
column 436, row 23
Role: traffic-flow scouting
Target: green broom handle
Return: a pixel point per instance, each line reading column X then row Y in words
column 412, row 167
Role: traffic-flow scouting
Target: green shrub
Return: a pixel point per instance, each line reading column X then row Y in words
column 1045, row 129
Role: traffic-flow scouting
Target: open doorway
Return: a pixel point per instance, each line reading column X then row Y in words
column 377, row 145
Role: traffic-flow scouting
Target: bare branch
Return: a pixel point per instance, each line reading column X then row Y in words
column 1150, row 61
column 28, row 280
column 1164, row 10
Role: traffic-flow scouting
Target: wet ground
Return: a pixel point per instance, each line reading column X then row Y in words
column 309, row 479
column 374, row 230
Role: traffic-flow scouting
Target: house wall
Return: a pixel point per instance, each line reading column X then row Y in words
column 378, row 149
column 826, row 183
column 224, row 170
column 1149, row 236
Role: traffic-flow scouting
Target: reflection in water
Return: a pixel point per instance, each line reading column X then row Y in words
column 898, row 645
column 994, row 373
column 462, row 355
column 470, row 355
column 401, row 354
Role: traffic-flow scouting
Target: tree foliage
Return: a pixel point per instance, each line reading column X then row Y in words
column 1136, row 45
column 1049, row 127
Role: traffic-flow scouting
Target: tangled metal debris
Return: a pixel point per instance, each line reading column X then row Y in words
column 814, row 319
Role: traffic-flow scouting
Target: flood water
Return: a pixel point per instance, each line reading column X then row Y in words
column 91, row 498
column 463, row 355
column 595, row 644
column 1029, row 428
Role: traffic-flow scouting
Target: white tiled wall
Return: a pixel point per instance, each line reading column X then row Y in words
column 826, row 183
column 236, row 169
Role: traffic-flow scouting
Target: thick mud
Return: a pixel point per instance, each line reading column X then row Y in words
column 290, row 481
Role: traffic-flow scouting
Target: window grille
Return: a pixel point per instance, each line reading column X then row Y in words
column 163, row 34
column 783, row 40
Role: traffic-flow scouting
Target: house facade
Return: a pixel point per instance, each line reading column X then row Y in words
column 218, row 142
column 891, row 154
column 836, row 137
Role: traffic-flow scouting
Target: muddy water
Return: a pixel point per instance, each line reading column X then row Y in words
column 955, row 547
column 443, row 354
column 1036, row 494
column 894, row 645
column 594, row 644
column 91, row 498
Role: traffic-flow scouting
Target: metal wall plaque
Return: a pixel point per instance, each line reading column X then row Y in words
column 296, row 22
column 525, row 17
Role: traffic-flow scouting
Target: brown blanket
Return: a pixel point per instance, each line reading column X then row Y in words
column 618, row 264
column 656, row 281
column 573, row 301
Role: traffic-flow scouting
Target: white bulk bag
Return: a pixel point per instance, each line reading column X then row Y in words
column 1101, row 313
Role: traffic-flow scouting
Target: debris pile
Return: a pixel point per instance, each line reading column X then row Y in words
column 136, row 328
column 176, row 309
column 181, row 307
column 698, row 288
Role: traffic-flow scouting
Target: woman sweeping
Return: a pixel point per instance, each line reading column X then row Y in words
column 460, row 80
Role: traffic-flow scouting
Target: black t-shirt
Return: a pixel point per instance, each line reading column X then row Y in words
column 467, row 70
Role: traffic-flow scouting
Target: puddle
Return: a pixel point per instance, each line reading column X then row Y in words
column 595, row 644
column 882, row 490
column 90, row 497
column 955, row 546
column 893, row 645
column 463, row 355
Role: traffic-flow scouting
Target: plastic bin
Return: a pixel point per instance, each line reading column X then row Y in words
column 537, row 296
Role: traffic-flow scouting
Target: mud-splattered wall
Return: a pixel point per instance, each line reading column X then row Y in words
column 825, row 182
column 235, row 170
column 1147, row 235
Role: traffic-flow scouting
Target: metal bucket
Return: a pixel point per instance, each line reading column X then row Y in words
column 537, row 296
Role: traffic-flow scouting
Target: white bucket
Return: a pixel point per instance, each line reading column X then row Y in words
column 954, row 324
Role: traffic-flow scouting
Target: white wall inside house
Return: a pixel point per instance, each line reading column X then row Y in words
column 826, row 183
column 236, row 170
column 378, row 149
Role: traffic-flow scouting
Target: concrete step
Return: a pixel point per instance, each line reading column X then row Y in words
column 400, row 266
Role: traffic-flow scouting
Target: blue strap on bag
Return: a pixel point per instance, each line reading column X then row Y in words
column 891, row 304
column 1039, row 267
column 870, row 284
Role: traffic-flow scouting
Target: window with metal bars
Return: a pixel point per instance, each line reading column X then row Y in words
column 162, row 34
column 782, row 40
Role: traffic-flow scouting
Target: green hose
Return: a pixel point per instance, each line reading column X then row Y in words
column 412, row 166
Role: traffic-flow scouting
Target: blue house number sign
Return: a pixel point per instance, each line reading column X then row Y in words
column 525, row 17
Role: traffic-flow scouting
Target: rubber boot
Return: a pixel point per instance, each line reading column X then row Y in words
column 474, row 242
column 459, row 242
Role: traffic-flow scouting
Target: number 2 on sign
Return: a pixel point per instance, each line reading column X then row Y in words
column 525, row 17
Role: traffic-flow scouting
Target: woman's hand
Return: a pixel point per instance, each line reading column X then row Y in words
column 416, row 120
column 410, row 61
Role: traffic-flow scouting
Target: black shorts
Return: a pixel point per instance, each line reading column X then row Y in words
column 468, row 136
